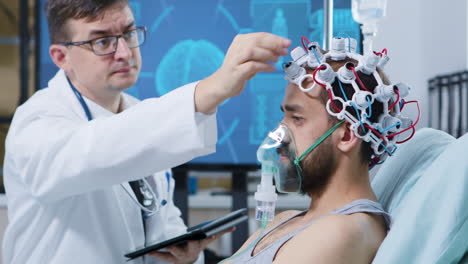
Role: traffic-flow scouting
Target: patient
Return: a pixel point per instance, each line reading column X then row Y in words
column 344, row 223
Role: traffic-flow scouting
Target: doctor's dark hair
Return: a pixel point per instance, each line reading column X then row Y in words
column 58, row 13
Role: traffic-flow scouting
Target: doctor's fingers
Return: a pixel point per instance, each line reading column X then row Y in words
column 168, row 257
column 189, row 251
column 214, row 237
column 249, row 69
column 204, row 243
column 245, row 43
column 178, row 255
column 264, row 40
column 258, row 54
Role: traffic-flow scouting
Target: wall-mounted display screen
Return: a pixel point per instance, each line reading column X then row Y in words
column 187, row 40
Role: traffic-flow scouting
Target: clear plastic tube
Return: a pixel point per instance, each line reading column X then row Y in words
column 266, row 194
column 265, row 207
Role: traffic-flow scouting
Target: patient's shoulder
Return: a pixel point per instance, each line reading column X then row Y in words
column 335, row 239
column 281, row 217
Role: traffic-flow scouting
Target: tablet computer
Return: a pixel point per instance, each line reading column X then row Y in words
column 197, row 232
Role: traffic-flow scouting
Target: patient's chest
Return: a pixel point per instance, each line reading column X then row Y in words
column 278, row 233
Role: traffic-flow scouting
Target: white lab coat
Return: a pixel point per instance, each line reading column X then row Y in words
column 62, row 174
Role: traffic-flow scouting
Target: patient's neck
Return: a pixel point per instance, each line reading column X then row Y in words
column 348, row 183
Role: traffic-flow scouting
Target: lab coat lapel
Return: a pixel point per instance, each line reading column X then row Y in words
column 131, row 214
column 151, row 223
column 63, row 90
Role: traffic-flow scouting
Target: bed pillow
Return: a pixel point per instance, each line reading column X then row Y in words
column 424, row 187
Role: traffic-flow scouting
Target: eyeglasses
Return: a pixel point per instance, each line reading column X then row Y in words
column 107, row 45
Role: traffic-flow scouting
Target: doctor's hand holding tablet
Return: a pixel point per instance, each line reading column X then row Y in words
column 187, row 252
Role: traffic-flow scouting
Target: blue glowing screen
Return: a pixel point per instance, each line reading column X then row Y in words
column 187, row 40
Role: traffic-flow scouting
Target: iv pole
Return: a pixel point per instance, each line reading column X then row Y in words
column 327, row 23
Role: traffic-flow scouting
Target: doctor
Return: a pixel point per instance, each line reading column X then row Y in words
column 86, row 165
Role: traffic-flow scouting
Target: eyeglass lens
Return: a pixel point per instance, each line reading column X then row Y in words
column 107, row 45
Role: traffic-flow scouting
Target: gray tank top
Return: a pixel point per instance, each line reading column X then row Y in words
column 267, row 254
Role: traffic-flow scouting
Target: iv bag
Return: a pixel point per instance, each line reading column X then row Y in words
column 368, row 11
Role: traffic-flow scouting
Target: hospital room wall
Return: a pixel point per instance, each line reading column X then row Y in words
column 425, row 38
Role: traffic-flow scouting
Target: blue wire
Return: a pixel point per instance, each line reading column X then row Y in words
column 369, row 105
column 390, row 127
column 359, row 117
column 394, row 149
column 381, row 162
column 316, row 57
column 342, row 90
column 386, row 149
column 354, row 106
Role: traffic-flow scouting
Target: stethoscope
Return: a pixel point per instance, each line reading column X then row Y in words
column 150, row 204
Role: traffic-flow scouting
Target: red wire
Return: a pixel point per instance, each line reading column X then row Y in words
column 323, row 67
column 412, row 134
column 376, row 132
column 303, row 45
column 331, row 101
column 413, row 125
column 401, row 109
column 359, row 80
column 384, row 51
column 374, row 161
column 396, row 101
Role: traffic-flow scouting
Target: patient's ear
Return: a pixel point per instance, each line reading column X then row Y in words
column 346, row 139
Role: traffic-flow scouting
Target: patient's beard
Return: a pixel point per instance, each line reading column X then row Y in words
column 317, row 169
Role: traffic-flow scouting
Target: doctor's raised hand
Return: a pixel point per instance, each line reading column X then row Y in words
column 248, row 55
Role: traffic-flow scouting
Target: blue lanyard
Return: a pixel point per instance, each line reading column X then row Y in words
column 81, row 100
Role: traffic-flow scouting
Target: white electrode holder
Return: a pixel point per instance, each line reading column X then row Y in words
column 370, row 63
column 383, row 93
column 326, row 75
column 351, row 45
column 363, row 99
column 338, row 49
column 293, row 71
column 345, row 74
column 315, row 57
column 299, row 56
column 403, row 89
column 383, row 61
